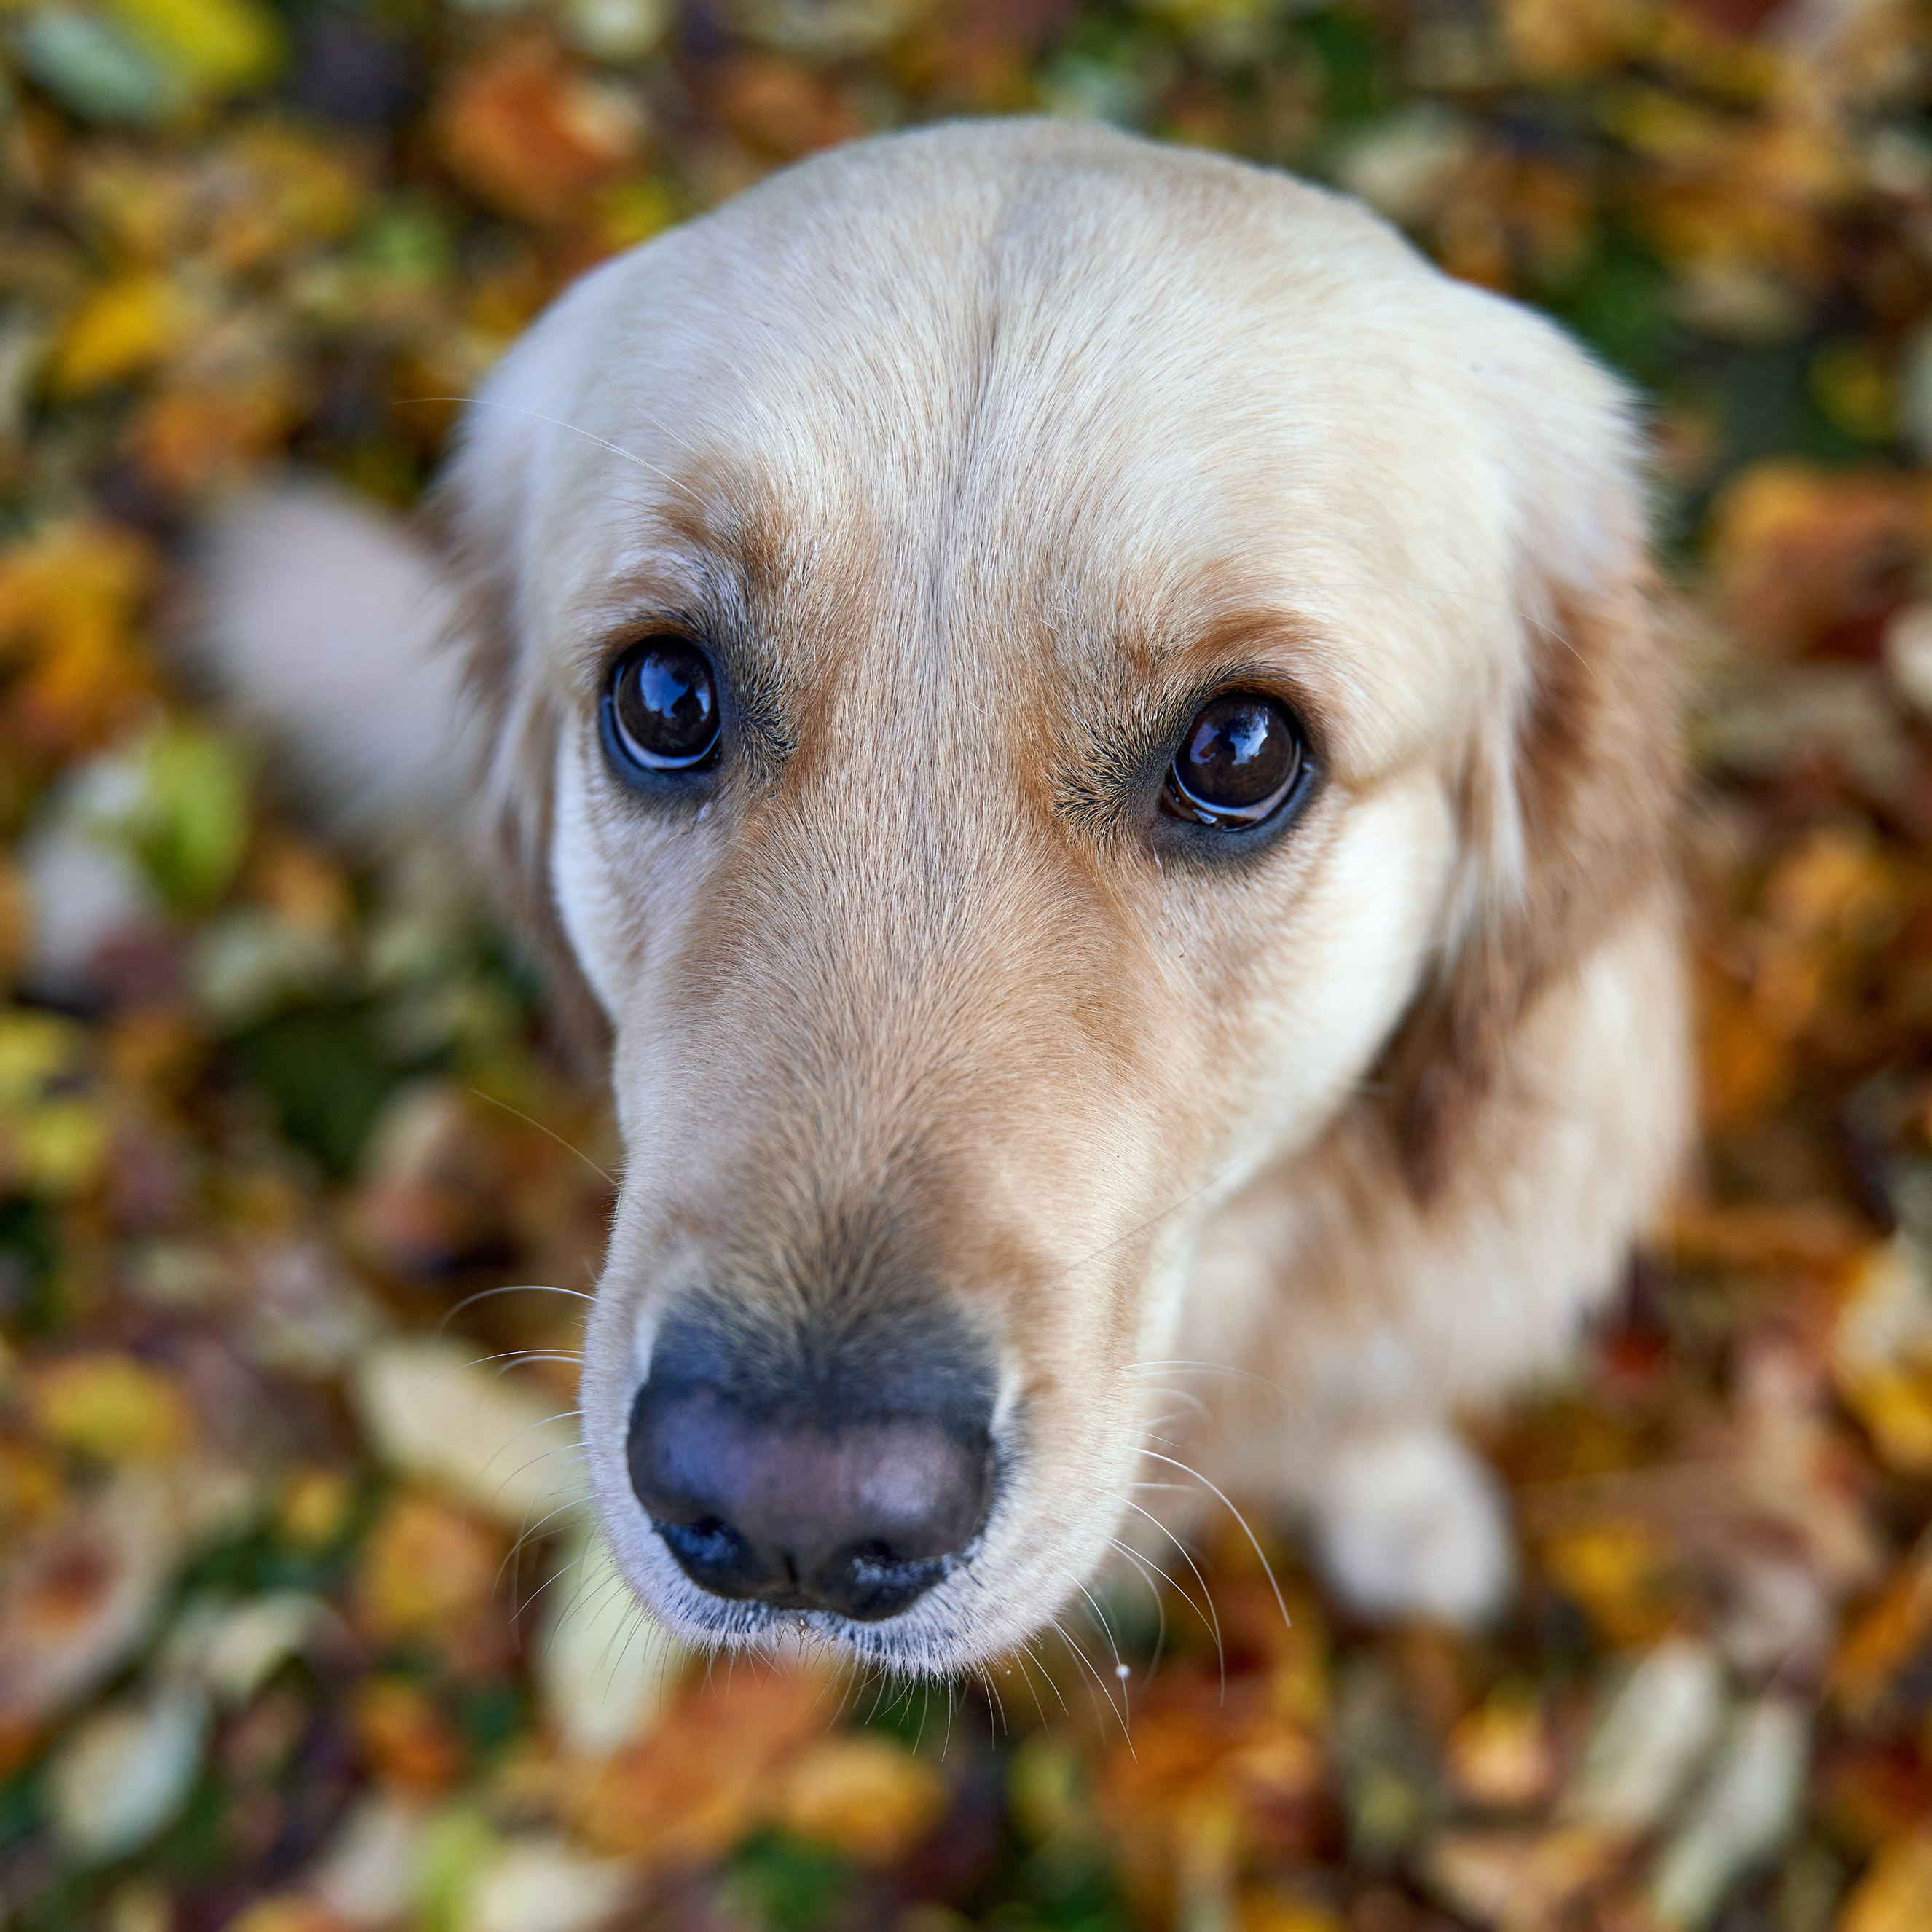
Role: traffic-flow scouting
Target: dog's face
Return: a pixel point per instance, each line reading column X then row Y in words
column 1007, row 652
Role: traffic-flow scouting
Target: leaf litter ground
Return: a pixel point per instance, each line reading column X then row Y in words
column 302, row 1628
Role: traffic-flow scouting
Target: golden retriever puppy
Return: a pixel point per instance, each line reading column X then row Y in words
column 1090, row 728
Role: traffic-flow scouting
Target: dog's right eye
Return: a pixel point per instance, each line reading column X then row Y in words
column 660, row 708
column 1242, row 757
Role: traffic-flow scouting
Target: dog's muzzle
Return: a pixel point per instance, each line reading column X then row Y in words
column 853, row 1491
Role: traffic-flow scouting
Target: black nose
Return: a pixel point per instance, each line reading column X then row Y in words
column 809, row 1498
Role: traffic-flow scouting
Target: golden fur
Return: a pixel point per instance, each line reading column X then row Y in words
column 982, row 449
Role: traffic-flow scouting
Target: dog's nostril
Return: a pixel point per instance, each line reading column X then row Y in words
column 790, row 1510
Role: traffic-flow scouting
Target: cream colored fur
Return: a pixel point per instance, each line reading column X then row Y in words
column 985, row 442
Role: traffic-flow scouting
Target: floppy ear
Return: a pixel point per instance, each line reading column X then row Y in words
column 479, row 518
column 1569, row 786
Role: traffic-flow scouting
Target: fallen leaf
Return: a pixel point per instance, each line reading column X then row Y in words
column 1886, row 1636
column 1656, row 1731
column 1895, row 1894
column 1520, row 1881
column 1747, row 1808
column 868, row 1798
column 1629, row 1574
column 434, row 1409
column 1882, row 1352
column 533, row 133
column 125, row 1772
column 606, row 1668
column 81, row 1595
column 1810, row 558
column 543, row 1884
column 366, row 1874
column 434, row 1572
column 217, row 47
column 124, row 328
column 112, row 1406
column 1499, row 1754
column 707, row 1773
column 406, row 1740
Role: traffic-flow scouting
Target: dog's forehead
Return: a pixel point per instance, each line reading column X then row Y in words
column 1120, row 413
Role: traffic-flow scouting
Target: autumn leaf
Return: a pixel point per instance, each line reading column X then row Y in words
column 112, row 1406
column 865, row 1796
column 709, row 1772
column 1895, row 1895
column 532, row 131
column 431, row 1571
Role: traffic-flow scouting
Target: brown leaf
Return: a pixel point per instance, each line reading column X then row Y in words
column 709, row 1771
column 432, row 1572
column 406, row 1740
column 1520, row 1881
column 533, row 132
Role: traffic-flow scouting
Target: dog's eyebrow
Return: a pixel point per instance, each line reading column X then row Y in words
column 720, row 557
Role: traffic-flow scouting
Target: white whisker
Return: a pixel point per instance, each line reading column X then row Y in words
column 1267, row 1568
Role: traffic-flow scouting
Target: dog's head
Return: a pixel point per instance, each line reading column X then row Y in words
column 1028, row 673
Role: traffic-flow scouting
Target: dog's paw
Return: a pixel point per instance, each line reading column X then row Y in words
column 1410, row 1521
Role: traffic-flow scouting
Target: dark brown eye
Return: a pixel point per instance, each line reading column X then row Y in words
column 660, row 709
column 1239, row 759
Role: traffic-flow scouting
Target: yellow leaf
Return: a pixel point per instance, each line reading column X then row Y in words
column 286, row 191
column 1560, row 39
column 1625, row 1574
column 124, row 328
column 315, row 1506
column 69, row 598
column 870, row 1799
column 36, row 1049
column 1499, row 1753
column 1881, row 1353
column 59, row 1148
column 52, row 1141
column 285, row 1911
column 1895, row 1404
column 633, row 211
column 111, row 1406
column 428, row 1569
column 217, row 47
column 1887, row 1635
column 1895, row 1895
column 1273, row 1911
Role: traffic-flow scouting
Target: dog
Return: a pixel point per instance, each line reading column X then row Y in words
column 1093, row 736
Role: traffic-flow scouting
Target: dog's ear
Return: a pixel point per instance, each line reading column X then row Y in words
column 479, row 518
column 1568, row 788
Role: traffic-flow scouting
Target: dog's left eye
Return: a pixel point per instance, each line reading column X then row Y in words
column 660, row 708
column 1238, row 760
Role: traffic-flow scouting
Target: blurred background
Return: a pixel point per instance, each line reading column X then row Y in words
column 301, row 1629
